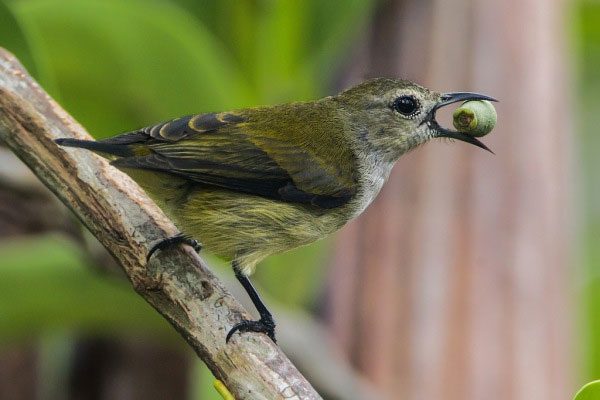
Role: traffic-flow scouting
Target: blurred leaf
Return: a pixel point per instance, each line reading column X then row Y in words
column 295, row 278
column 335, row 26
column 588, row 29
column 48, row 289
column 591, row 297
column 282, row 48
column 289, row 49
column 234, row 22
column 13, row 39
column 202, row 383
column 590, row 391
column 133, row 63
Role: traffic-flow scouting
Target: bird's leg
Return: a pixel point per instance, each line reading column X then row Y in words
column 180, row 238
column 265, row 324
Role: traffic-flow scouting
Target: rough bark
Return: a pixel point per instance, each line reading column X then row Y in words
column 176, row 282
column 455, row 283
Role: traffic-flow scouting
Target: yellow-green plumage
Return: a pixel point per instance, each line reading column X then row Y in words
column 230, row 224
column 257, row 181
column 253, row 182
column 236, row 225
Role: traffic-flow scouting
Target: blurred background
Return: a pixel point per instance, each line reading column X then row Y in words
column 472, row 276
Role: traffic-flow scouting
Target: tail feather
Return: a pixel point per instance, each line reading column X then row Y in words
column 118, row 150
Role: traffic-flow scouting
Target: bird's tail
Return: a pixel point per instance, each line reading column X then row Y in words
column 104, row 148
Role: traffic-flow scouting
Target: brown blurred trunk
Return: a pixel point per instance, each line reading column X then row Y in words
column 455, row 283
column 106, row 369
column 18, row 373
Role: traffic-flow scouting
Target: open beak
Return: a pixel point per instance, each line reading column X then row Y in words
column 450, row 98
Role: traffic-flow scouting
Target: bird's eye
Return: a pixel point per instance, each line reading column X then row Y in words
column 406, row 105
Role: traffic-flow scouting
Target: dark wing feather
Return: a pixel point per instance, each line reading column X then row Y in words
column 222, row 150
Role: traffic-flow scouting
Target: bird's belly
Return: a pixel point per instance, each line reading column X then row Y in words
column 249, row 228
column 244, row 227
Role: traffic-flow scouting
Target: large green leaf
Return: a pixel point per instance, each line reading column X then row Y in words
column 13, row 38
column 590, row 391
column 121, row 64
column 289, row 49
column 281, row 49
column 49, row 288
column 334, row 28
column 587, row 43
column 295, row 278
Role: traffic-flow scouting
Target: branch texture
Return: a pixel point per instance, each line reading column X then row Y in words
column 176, row 283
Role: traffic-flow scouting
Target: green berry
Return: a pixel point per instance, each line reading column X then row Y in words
column 477, row 117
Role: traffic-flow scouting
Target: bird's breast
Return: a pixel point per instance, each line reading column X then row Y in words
column 372, row 178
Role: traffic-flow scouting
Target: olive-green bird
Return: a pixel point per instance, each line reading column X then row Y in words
column 257, row 181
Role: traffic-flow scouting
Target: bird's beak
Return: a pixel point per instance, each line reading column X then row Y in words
column 450, row 98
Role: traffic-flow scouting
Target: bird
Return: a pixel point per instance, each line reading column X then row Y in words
column 257, row 181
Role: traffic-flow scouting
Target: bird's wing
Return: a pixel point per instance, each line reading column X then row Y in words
column 227, row 151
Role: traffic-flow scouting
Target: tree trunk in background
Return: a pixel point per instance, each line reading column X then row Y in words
column 18, row 373
column 455, row 284
column 107, row 369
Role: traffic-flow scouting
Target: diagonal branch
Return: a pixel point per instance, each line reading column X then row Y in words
column 176, row 283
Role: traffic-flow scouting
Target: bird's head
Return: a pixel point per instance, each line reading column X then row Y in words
column 393, row 116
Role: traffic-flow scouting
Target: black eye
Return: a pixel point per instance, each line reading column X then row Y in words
column 406, row 105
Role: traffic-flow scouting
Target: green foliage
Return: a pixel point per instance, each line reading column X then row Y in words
column 288, row 50
column 50, row 288
column 13, row 38
column 588, row 36
column 294, row 278
column 591, row 298
column 591, row 391
column 137, row 62
column 200, row 388
column 133, row 62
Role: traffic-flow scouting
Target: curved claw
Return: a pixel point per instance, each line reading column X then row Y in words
column 174, row 240
column 263, row 325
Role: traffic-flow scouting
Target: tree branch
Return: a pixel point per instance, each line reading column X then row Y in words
column 176, row 283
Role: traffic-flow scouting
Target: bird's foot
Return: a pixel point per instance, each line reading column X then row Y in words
column 265, row 325
column 174, row 240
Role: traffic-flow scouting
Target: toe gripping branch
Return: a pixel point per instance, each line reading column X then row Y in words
column 180, row 238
